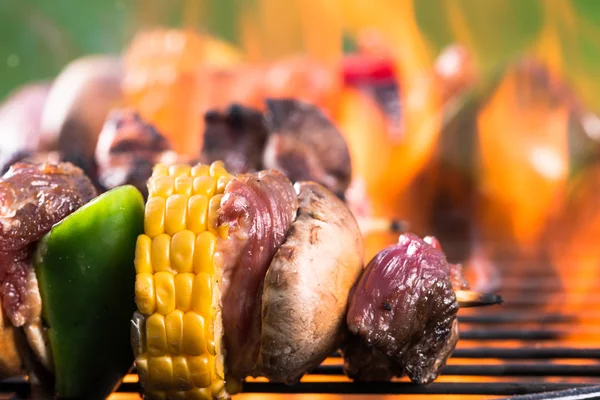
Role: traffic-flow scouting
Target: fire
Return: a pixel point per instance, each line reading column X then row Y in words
column 523, row 152
column 524, row 210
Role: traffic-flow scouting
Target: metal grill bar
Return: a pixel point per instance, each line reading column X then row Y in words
column 527, row 353
column 485, row 388
column 516, row 317
column 21, row 388
column 497, row 370
column 592, row 392
column 522, row 353
column 512, row 334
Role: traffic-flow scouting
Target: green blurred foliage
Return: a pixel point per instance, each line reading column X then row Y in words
column 496, row 30
column 38, row 37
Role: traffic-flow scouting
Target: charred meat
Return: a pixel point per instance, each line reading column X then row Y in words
column 306, row 146
column 237, row 137
column 32, row 199
column 292, row 137
column 127, row 149
column 404, row 307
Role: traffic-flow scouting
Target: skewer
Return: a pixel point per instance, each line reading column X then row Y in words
column 468, row 298
column 381, row 225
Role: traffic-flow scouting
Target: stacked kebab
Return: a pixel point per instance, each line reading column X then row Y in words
column 248, row 267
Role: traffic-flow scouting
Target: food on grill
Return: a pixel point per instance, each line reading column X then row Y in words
column 66, row 277
column 292, row 137
column 307, row 286
column 76, row 108
column 403, row 311
column 306, row 146
column 20, row 122
column 128, row 148
column 236, row 136
column 247, row 250
column 32, row 199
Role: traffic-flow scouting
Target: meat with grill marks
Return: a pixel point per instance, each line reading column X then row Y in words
column 292, row 137
column 403, row 313
column 33, row 197
column 127, row 150
column 236, row 136
column 306, row 146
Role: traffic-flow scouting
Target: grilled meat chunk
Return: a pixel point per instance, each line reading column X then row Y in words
column 305, row 292
column 237, row 137
column 306, row 146
column 32, row 199
column 127, row 150
column 366, row 363
column 258, row 210
column 405, row 307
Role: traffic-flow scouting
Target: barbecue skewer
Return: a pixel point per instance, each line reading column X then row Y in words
column 469, row 298
column 381, row 225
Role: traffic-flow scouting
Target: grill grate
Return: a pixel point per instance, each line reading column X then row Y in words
column 534, row 346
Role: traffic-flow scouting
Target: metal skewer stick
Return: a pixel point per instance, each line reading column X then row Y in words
column 469, row 298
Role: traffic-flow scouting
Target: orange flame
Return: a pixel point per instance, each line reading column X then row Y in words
column 524, row 156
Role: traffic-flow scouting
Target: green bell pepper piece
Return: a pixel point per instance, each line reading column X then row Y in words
column 85, row 272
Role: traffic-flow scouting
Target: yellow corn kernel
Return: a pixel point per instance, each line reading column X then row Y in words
column 184, row 185
column 200, row 370
column 141, row 364
column 205, row 185
column 183, row 291
column 204, row 253
column 175, row 215
column 222, row 183
column 154, row 218
column 179, row 170
column 182, row 251
column 144, row 293
column 217, row 169
column 164, row 283
column 197, row 212
column 161, row 186
column 174, row 331
column 199, row 394
column 160, row 170
column 142, row 255
column 138, row 334
column 217, row 387
column 156, row 335
column 181, row 373
column 193, row 343
column 161, row 249
column 202, row 297
column 212, row 219
column 200, row 170
column 160, row 372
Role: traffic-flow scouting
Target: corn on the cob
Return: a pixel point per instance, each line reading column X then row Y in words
column 176, row 331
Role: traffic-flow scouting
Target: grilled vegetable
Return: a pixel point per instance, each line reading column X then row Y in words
column 176, row 331
column 83, row 267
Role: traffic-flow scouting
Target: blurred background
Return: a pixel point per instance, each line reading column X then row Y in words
column 475, row 121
